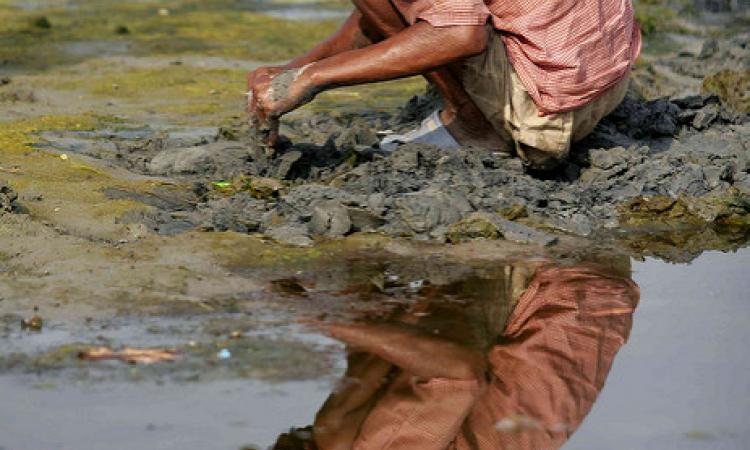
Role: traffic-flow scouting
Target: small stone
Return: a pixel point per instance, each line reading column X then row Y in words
column 709, row 48
column 483, row 225
column 264, row 188
column 330, row 218
column 290, row 234
column 609, row 158
column 705, row 117
column 364, row 220
column 8, row 198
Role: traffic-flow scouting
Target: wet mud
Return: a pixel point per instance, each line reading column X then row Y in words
column 328, row 179
column 669, row 162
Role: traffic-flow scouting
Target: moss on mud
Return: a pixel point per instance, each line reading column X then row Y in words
column 215, row 28
column 729, row 209
column 732, row 86
column 71, row 189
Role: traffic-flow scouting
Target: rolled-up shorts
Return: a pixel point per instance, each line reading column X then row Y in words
column 542, row 142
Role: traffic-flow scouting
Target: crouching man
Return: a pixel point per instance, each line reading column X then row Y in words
column 524, row 77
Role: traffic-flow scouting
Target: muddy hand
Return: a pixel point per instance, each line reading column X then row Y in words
column 275, row 93
column 265, row 129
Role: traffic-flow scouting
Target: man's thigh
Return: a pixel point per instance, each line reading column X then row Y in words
column 586, row 117
column 485, row 78
column 494, row 86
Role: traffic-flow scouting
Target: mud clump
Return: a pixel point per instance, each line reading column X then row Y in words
column 690, row 149
column 8, row 199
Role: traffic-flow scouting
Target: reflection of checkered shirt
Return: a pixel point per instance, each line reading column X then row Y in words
column 544, row 374
column 566, row 52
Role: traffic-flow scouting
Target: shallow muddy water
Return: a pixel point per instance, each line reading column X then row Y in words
column 679, row 382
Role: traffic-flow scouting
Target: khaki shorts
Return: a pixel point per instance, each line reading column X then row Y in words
column 541, row 142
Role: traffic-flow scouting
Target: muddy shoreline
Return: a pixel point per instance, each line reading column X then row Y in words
column 664, row 163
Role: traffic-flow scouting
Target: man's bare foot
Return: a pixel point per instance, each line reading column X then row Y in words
column 472, row 131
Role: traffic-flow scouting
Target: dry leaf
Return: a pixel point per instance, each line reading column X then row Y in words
column 13, row 170
column 131, row 355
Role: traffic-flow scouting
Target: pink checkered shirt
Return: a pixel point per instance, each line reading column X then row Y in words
column 566, row 52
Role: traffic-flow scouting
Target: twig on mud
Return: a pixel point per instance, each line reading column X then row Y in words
column 13, row 171
column 131, row 355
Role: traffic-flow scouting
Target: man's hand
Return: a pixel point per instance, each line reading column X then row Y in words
column 274, row 91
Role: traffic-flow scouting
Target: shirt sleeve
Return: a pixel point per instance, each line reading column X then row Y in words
column 444, row 13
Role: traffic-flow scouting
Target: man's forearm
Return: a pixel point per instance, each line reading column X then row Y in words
column 420, row 354
column 415, row 50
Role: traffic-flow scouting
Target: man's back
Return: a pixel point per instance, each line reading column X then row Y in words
column 566, row 52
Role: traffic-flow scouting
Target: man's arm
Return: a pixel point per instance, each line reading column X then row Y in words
column 424, row 355
column 350, row 36
column 415, row 50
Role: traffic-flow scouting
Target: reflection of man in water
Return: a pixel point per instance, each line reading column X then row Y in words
column 434, row 385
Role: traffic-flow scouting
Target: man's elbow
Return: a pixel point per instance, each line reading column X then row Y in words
column 471, row 39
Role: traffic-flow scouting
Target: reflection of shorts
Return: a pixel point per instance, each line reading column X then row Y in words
column 541, row 142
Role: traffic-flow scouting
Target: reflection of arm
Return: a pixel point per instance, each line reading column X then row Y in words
column 425, row 356
column 338, row 421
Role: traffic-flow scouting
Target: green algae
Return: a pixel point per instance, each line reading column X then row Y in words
column 732, row 86
column 476, row 226
column 72, row 189
column 728, row 209
column 218, row 28
column 660, row 16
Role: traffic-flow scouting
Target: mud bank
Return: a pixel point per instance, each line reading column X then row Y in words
column 680, row 162
column 691, row 149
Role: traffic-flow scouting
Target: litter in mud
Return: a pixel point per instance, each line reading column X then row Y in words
column 34, row 323
column 130, row 355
